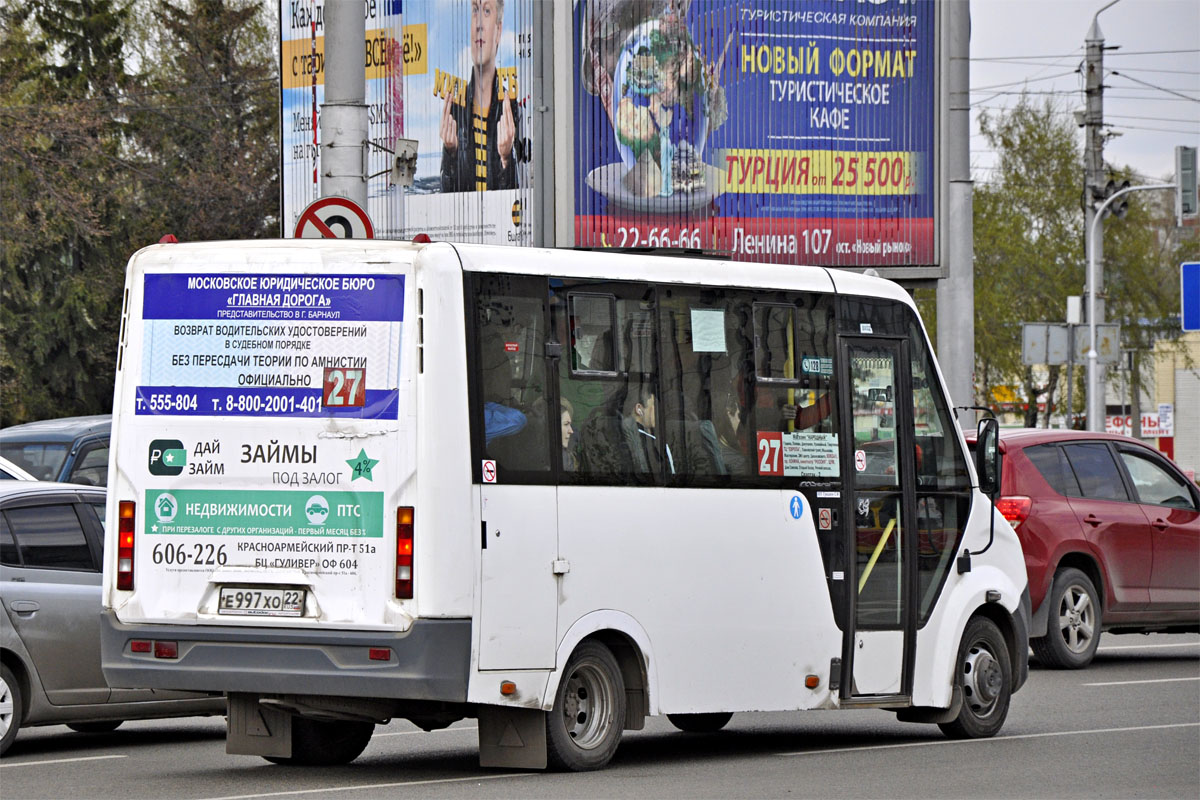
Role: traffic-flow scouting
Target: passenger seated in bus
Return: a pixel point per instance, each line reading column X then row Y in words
column 500, row 420
column 639, row 430
column 570, row 461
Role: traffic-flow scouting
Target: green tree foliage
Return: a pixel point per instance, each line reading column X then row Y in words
column 62, row 198
column 207, row 118
column 105, row 149
column 1029, row 254
column 1028, row 241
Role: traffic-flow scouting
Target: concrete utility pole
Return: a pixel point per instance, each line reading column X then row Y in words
column 956, row 292
column 344, row 112
column 1094, row 180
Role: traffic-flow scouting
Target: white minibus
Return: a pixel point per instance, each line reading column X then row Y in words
column 556, row 491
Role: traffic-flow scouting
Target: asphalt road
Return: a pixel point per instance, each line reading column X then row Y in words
column 1129, row 726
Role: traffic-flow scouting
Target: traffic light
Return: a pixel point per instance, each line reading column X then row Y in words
column 1185, row 184
column 1118, row 207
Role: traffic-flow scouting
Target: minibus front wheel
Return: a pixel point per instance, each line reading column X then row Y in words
column 983, row 673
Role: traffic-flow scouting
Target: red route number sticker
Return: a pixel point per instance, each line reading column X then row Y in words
column 344, row 388
column 770, row 453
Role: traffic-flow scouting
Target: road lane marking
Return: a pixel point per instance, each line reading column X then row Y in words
column 1146, row 646
column 439, row 730
column 372, row 786
column 1154, row 680
column 993, row 739
column 6, row 765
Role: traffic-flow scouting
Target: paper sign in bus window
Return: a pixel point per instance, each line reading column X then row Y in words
column 708, row 330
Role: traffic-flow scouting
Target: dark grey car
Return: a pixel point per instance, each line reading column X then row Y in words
column 71, row 449
column 51, row 544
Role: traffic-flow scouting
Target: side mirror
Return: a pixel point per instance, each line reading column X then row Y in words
column 987, row 457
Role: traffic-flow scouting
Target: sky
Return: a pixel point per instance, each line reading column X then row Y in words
column 1039, row 45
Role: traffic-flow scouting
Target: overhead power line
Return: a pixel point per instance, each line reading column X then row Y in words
column 1145, row 128
column 1152, row 86
column 1024, row 58
column 1023, row 81
column 1108, row 53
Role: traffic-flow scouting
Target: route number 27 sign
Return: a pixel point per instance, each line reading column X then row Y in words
column 344, row 388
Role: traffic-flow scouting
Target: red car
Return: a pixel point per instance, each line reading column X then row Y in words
column 1111, row 532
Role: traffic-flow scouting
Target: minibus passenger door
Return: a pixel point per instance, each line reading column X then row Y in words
column 518, row 589
column 878, row 466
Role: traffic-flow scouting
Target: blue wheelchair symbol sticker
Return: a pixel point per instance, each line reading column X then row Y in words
column 797, row 507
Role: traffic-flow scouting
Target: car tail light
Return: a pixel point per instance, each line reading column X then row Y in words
column 166, row 649
column 125, row 517
column 404, row 553
column 1014, row 509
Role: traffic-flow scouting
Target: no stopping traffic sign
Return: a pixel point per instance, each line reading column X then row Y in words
column 334, row 218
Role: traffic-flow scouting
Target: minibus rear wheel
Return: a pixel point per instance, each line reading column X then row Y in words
column 584, row 727
column 323, row 743
column 700, row 723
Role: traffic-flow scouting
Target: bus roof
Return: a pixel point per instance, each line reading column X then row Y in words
column 599, row 264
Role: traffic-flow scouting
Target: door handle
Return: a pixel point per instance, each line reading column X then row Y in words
column 1093, row 520
column 24, row 606
column 1160, row 524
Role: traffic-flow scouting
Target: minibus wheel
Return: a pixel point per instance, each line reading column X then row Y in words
column 584, row 727
column 984, row 674
column 700, row 723
column 323, row 743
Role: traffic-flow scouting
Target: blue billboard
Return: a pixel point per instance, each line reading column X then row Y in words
column 788, row 132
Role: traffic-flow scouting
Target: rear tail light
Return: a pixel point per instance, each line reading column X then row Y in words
column 404, row 553
column 125, row 517
column 166, row 649
column 1015, row 509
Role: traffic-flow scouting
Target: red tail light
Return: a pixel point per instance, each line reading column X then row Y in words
column 404, row 553
column 125, row 518
column 1014, row 509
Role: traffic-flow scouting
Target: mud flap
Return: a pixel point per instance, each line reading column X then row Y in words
column 512, row 737
column 257, row 730
column 933, row 715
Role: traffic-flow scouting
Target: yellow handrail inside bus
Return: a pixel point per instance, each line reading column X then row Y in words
column 883, row 540
column 789, row 371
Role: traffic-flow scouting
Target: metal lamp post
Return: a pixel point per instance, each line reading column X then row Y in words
column 1095, row 397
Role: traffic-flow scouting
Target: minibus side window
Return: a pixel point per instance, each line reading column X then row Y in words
column 509, row 372
column 735, row 365
column 608, row 430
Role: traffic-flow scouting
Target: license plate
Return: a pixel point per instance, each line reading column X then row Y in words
column 261, row 602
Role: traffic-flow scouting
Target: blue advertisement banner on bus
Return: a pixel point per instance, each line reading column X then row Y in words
column 259, row 344
column 425, row 65
column 789, row 132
